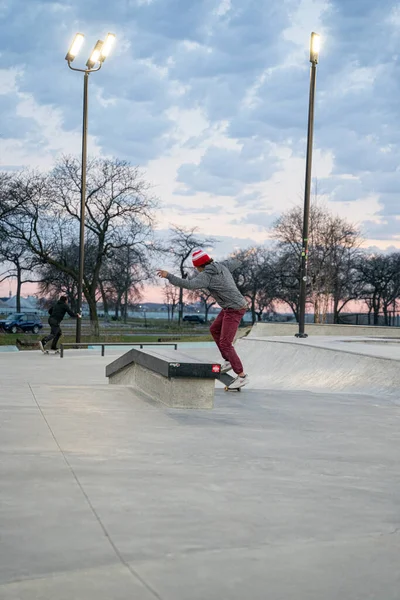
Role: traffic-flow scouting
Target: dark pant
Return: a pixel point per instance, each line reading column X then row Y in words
column 54, row 335
column 223, row 331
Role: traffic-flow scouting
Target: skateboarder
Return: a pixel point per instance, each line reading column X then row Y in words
column 57, row 313
column 216, row 277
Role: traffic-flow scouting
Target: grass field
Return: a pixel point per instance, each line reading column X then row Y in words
column 133, row 331
column 10, row 339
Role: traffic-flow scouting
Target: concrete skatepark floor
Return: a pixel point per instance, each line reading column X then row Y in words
column 281, row 495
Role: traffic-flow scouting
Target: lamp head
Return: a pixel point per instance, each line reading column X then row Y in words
column 95, row 57
column 99, row 53
column 75, row 47
column 315, row 46
column 107, row 46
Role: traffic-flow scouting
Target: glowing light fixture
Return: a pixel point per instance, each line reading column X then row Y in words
column 315, row 47
column 95, row 56
column 75, row 47
column 107, row 46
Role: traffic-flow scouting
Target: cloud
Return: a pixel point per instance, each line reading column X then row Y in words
column 33, row 134
column 223, row 171
column 342, row 189
column 218, row 90
column 358, row 112
column 227, row 245
column 224, row 245
column 128, row 100
column 388, row 229
column 278, row 110
column 249, row 199
column 381, row 250
column 261, row 219
column 195, row 210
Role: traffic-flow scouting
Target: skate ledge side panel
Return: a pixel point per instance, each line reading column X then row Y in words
column 180, row 392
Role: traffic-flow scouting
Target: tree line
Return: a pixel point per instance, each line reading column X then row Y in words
column 340, row 271
column 39, row 241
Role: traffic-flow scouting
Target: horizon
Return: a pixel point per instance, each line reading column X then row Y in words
column 280, row 307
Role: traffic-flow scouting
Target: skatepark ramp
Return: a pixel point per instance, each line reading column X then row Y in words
column 328, row 364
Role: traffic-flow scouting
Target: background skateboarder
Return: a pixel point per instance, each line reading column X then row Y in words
column 216, row 277
column 57, row 313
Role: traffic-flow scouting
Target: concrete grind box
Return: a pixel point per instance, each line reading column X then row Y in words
column 180, row 392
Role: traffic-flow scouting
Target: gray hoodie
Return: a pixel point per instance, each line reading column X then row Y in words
column 217, row 279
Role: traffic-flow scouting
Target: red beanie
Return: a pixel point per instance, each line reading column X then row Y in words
column 200, row 258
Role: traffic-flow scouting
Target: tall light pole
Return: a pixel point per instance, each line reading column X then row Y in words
column 94, row 63
column 314, row 55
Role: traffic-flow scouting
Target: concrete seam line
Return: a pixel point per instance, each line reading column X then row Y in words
column 55, row 574
column 93, row 510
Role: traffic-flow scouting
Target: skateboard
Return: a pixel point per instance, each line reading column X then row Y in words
column 44, row 351
column 227, row 380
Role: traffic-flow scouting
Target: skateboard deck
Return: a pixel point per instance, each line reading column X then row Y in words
column 44, row 351
column 227, row 380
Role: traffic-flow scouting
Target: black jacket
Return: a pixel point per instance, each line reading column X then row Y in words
column 57, row 312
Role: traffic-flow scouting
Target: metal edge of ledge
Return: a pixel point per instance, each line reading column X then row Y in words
column 179, row 365
column 137, row 356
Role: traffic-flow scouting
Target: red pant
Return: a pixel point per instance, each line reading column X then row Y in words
column 223, row 331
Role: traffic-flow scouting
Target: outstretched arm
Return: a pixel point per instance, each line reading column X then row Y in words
column 72, row 314
column 199, row 282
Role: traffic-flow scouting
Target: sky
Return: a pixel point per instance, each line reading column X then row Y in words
column 210, row 99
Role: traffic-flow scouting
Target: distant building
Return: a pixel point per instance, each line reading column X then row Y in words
column 3, row 305
column 30, row 305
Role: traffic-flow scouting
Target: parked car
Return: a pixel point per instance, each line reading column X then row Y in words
column 25, row 322
column 193, row 319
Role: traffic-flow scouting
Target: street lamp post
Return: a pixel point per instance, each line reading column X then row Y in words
column 94, row 63
column 314, row 55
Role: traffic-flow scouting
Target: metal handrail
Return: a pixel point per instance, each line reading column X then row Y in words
column 104, row 344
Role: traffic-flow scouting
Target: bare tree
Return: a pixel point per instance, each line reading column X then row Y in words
column 7, row 204
column 14, row 252
column 19, row 262
column 205, row 298
column 171, row 299
column 124, row 275
column 287, row 278
column 256, row 279
column 334, row 248
column 55, row 282
column 379, row 278
column 46, row 217
column 182, row 242
column 342, row 267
